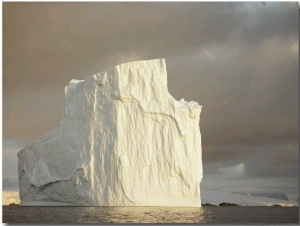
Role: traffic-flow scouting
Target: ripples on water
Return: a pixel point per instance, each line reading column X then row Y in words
column 212, row 214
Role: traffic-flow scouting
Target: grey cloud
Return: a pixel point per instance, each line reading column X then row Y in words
column 250, row 99
column 270, row 167
column 263, row 98
column 275, row 20
column 230, row 98
column 238, row 60
column 227, row 153
column 275, row 161
column 10, row 162
column 278, row 184
column 10, row 184
column 257, row 161
column 286, row 155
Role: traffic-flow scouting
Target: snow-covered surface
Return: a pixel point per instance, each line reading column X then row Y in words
column 123, row 141
column 218, row 196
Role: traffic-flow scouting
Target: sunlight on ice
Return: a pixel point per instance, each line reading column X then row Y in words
column 123, row 141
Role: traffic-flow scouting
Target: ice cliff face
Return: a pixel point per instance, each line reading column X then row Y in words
column 123, row 141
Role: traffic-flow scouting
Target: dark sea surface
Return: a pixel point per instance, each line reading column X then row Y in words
column 207, row 214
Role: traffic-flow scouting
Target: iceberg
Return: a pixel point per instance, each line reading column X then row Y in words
column 123, row 141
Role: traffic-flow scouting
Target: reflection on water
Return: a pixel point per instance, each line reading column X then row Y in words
column 12, row 214
column 145, row 215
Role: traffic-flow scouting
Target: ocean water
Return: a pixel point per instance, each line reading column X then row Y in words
column 207, row 214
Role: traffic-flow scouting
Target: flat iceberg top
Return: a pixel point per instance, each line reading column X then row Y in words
column 142, row 81
column 146, row 82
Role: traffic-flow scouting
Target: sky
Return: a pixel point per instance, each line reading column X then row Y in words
column 238, row 60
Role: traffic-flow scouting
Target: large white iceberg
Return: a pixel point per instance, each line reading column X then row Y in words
column 123, row 141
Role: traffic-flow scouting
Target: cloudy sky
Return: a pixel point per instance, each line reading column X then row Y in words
column 238, row 60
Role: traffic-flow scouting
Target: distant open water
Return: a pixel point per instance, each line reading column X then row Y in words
column 207, row 214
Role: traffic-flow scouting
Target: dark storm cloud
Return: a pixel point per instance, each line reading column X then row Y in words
column 278, row 160
column 255, row 100
column 270, row 22
column 269, row 160
column 252, row 98
column 261, row 167
column 238, row 60
column 286, row 155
